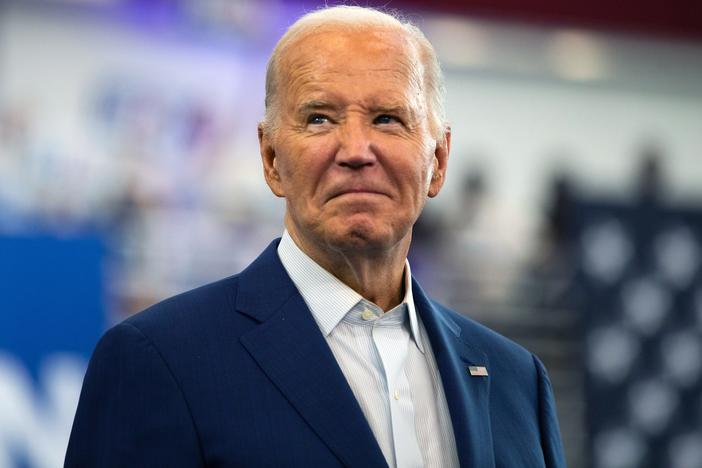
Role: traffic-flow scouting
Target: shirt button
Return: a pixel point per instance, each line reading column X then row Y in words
column 397, row 394
column 367, row 314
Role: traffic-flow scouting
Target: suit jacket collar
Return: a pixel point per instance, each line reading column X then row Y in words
column 467, row 396
column 290, row 349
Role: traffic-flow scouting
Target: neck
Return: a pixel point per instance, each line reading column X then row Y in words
column 375, row 274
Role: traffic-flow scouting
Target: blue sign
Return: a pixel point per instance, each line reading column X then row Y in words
column 52, row 312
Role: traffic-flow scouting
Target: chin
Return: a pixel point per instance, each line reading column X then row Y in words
column 364, row 236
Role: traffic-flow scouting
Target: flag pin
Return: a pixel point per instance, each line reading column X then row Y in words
column 478, row 371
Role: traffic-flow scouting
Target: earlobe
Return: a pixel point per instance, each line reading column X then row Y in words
column 436, row 181
column 271, row 172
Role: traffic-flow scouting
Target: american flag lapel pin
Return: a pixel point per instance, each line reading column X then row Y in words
column 478, row 371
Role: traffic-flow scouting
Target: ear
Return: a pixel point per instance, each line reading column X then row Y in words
column 441, row 155
column 270, row 161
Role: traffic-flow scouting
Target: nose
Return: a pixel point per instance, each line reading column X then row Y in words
column 356, row 148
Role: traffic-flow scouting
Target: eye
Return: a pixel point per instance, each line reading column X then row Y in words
column 317, row 119
column 385, row 119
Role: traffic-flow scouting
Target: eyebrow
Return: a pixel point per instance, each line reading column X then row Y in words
column 314, row 105
column 398, row 110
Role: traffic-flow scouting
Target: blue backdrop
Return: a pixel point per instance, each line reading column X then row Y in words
column 52, row 312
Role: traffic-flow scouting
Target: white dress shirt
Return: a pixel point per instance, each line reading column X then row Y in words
column 387, row 360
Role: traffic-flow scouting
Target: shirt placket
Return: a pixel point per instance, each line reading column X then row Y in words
column 391, row 340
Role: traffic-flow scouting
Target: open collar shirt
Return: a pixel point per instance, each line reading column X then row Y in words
column 387, row 360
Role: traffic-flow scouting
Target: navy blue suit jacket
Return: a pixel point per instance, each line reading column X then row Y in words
column 237, row 373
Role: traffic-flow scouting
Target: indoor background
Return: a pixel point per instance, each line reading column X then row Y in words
column 571, row 220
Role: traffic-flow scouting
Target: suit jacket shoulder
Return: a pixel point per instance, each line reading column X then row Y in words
column 482, row 336
column 179, row 317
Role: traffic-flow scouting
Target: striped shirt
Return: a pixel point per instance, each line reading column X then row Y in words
column 387, row 360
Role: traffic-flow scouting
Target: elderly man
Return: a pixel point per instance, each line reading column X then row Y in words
column 324, row 351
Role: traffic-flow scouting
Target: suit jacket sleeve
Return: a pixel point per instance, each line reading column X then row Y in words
column 131, row 410
column 548, row 422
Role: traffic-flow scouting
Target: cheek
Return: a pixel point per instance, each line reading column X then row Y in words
column 318, row 154
column 303, row 168
column 418, row 173
column 427, row 163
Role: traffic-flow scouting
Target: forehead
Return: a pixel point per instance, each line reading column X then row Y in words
column 381, row 60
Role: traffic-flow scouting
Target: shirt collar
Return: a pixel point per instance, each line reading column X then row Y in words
column 327, row 297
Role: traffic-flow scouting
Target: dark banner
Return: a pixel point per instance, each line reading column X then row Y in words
column 640, row 295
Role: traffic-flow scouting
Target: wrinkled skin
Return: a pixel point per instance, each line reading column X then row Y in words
column 354, row 153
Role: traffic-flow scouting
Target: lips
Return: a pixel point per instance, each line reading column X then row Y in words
column 355, row 190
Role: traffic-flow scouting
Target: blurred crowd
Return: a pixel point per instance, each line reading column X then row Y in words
column 160, row 162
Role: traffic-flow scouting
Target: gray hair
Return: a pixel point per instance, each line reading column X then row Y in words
column 355, row 17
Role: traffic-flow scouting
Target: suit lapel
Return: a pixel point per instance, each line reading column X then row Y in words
column 467, row 396
column 291, row 351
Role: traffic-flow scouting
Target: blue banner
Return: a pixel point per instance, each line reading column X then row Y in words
column 52, row 312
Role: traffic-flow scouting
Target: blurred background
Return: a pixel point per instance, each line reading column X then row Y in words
column 571, row 220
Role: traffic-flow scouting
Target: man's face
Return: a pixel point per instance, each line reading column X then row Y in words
column 353, row 153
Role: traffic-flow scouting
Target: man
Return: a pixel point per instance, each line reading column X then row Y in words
column 324, row 352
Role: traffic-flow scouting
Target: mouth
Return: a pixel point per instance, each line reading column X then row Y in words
column 355, row 191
